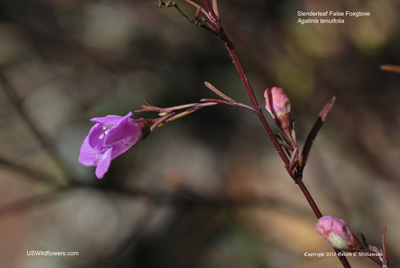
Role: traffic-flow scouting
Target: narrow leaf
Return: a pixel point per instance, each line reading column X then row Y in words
column 215, row 7
column 219, row 93
column 314, row 131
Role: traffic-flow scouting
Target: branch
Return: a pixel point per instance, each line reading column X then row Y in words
column 42, row 138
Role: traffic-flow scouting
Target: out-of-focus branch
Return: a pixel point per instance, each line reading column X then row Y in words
column 31, row 202
column 33, row 126
column 390, row 68
column 28, row 172
column 115, row 251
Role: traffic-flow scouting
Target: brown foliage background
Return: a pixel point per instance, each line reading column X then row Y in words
column 207, row 190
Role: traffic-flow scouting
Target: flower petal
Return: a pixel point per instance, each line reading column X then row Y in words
column 88, row 156
column 111, row 136
column 104, row 164
column 121, row 147
column 96, row 137
column 110, row 119
column 126, row 128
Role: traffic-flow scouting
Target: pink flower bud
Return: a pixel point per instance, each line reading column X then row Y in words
column 336, row 232
column 278, row 105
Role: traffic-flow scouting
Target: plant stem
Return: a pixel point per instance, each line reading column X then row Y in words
column 232, row 52
column 254, row 102
column 281, row 153
column 250, row 93
column 309, row 198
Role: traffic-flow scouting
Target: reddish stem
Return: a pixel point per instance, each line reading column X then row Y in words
column 215, row 20
column 254, row 101
column 309, row 198
column 281, row 153
column 250, row 93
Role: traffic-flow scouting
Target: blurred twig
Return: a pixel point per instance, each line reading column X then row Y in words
column 391, row 68
column 40, row 135
column 187, row 196
column 114, row 252
column 30, row 173
column 27, row 203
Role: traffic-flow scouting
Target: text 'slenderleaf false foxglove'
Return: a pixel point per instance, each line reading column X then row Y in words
column 108, row 138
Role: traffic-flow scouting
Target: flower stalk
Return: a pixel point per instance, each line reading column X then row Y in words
column 217, row 29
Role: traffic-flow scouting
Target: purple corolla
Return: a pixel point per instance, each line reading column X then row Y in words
column 108, row 138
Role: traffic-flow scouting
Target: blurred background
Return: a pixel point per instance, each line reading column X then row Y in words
column 207, row 190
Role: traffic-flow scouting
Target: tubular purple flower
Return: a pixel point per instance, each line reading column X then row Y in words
column 278, row 105
column 336, row 232
column 108, row 138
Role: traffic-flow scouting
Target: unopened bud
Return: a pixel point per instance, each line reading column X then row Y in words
column 278, row 105
column 336, row 232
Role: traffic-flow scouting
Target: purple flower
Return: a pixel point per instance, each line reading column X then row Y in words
column 336, row 232
column 108, row 138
